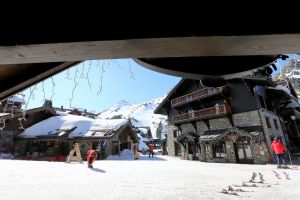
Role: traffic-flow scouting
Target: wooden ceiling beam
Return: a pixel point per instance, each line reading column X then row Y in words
column 152, row 48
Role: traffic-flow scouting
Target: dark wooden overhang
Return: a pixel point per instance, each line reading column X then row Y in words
column 278, row 94
column 287, row 113
column 17, row 77
column 259, row 80
column 223, row 134
column 188, row 137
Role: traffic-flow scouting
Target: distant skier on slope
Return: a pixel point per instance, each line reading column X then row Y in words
column 91, row 157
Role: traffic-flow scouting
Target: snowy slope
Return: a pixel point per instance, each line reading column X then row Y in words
column 141, row 115
column 292, row 70
column 158, row 178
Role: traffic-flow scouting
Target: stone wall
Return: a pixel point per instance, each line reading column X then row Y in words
column 170, row 139
column 201, row 127
column 258, row 118
column 188, row 128
column 246, row 119
column 219, row 123
column 271, row 132
column 260, row 153
column 230, row 154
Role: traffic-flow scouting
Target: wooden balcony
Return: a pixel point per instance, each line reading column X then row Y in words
column 206, row 113
column 199, row 94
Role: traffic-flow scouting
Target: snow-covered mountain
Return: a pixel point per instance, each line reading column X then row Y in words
column 292, row 70
column 141, row 115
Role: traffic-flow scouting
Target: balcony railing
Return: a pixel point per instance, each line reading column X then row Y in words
column 199, row 94
column 203, row 114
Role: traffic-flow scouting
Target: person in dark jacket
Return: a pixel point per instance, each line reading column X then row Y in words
column 91, row 157
column 279, row 149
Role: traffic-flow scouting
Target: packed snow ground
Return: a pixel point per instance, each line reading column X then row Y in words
column 161, row 177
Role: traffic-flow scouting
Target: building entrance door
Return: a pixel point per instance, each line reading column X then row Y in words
column 243, row 152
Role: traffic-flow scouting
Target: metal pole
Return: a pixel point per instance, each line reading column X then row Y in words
column 290, row 157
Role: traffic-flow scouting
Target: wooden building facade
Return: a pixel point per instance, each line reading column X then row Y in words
column 12, row 125
column 57, row 145
column 233, row 123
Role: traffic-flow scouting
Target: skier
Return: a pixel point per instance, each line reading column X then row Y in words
column 151, row 149
column 91, row 157
column 279, row 150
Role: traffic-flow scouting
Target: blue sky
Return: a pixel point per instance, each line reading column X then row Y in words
column 122, row 80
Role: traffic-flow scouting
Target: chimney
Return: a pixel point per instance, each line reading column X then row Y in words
column 47, row 103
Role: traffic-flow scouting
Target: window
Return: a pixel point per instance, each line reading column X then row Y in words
column 207, row 147
column 268, row 122
column 276, row 124
column 262, row 102
column 176, row 133
column 219, row 150
column 270, row 105
column 177, row 149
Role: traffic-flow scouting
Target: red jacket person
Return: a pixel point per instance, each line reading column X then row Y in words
column 91, row 157
column 279, row 149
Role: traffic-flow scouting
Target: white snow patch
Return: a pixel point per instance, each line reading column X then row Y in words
column 126, row 154
column 283, row 88
column 147, row 179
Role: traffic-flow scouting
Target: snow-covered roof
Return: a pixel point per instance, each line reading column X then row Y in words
column 293, row 104
column 282, row 88
column 85, row 127
column 143, row 130
column 17, row 99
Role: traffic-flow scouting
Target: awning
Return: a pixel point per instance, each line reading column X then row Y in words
column 259, row 80
column 188, row 137
column 212, row 135
column 231, row 134
column 277, row 93
column 287, row 113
